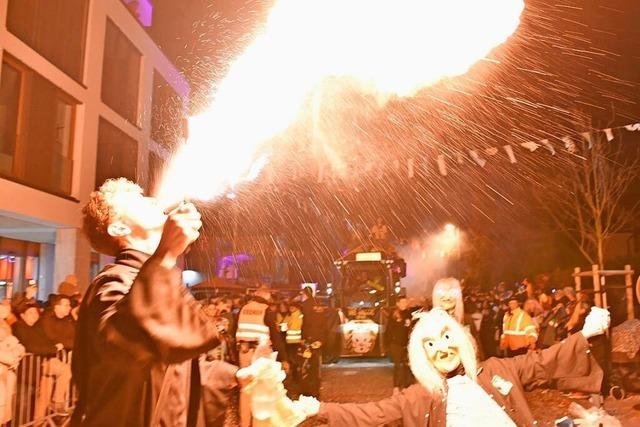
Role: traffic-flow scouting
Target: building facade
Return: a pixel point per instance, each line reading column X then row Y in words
column 85, row 94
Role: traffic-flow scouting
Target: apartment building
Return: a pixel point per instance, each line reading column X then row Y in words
column 85, row 94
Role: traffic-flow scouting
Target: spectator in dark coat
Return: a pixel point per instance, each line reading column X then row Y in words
column 28, row 329
column 397, row 339
column 55, row 374
column 314, row 330
column 57, row 323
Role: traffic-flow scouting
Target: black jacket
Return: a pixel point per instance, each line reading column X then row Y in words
column 135, row 321
column 314, row 325
column 34, row 339
column 398, row 329
column 59, row 330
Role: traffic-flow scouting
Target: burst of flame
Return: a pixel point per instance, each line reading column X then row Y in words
column 393, row 46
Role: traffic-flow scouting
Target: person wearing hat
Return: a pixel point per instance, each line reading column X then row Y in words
column 29, row 296
column 257, row 325
column 519, row 332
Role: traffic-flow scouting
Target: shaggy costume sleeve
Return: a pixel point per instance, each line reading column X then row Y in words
column 408, row 406
column 159, row 319
column 570, row 358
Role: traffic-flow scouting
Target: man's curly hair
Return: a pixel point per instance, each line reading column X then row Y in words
column 99, row 212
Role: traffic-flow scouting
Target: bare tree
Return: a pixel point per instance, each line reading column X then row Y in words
column 587, row 197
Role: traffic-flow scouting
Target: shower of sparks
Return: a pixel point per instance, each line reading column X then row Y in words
column 389, row 47
column 568, row 59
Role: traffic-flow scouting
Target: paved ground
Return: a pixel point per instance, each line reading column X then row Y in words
column 361, row 381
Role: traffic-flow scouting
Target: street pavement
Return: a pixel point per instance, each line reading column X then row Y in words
column 357, row 380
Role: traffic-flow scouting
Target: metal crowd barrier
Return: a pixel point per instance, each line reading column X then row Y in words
column 43, row 393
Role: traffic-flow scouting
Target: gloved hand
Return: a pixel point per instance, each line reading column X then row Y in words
column 596, row 323
column 310, row 406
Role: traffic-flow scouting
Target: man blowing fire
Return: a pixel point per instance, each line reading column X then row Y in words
column 138, row 326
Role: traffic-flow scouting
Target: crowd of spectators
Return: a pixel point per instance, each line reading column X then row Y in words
column 40, row 334
column 514, row 319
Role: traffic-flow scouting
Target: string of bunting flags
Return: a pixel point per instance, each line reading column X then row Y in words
column 479, row 156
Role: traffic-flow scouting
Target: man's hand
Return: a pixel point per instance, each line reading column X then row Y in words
column 597, row 321
column 180, row 231
column 59, row 347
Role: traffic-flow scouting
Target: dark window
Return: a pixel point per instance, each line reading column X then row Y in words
column 167, row 113
column 56, row 29
column 37, row 121
column 10, row 83
column 117, row 154
column 120, row 74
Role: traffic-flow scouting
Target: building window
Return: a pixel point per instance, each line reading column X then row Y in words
column 155, row 172
column 117, row 154
column 10, row 83
column 56, row 29
column 36, row 129
column 167, row 113
column 120, row 74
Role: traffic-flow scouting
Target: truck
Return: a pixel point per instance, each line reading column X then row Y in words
column 366, row 290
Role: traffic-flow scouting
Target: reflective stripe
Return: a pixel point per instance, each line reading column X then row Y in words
column 251, row 325
column 294, row 336
column 254, row 327
column 519, row 323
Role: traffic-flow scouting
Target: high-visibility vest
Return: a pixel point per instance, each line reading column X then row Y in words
column 294, row 328
column 518, row 331
column 251, row 327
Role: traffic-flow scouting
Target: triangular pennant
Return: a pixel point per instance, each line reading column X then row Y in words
column 442, row 166
column 587, row 137
column 633, row 127
column 476, row 158
column 546, row 144
column 410, row 171
column 569, row 145
column 530, row 145
column 609, row 134
column 509, row 150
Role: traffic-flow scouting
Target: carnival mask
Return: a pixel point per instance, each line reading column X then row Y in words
column 442, row 351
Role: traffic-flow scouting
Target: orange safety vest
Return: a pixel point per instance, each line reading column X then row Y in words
column 518, row 330
column 251, row 327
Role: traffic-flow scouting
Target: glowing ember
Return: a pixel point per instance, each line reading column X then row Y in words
column 394, row 47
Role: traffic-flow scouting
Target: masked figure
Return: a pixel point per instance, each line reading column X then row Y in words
column 455, row 390
column 447, row 295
